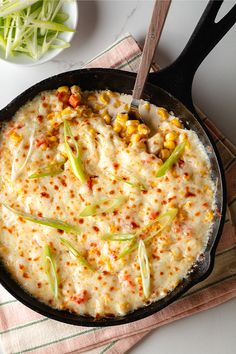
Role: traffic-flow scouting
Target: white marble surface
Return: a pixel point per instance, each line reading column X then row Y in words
column 102, row 22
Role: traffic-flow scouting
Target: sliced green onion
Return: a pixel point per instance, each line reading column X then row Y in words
column 75, row 159
column 51, row 170
column 138, row 185
column 51, row 270
column 132, row 246
column 144, row 268
column 7, row 7
column 56, row 224
column 172, row 159
column 118, row 237
column 50, row 25
column 76, row 253
column 103, row 206
column 163, row 221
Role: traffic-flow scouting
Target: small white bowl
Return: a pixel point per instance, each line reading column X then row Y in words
column 71, row 8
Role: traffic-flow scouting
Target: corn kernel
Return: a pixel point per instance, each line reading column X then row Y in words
column 51, row 115
column 171, row 136
column 107, row 118
column 98, row 107
column 162, row 112
column 117, row 104
column 43, row 147
column 16, row 137
column 131, row 129
column 143, row 129
column 169, row 144
column 111, row 94
column 177, row 123
column 117, row 127
column 147, row 106
column 126, row 107
column 104, row 98
column 132, row 123
column 76, row 90
column 91, row 97
column 122, row 118
column 52, row 138
column 63, row 89
column 164, row 154
column 135, row 138
column 209, row 216
column 92, row 131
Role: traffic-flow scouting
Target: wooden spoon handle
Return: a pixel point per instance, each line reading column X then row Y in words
column 160, row 11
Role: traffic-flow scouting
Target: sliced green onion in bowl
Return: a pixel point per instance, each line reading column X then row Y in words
column 75, row 159
column 76, row 253
column 56, row 224
column 144, row 268
column 117, row 237
column 30, row 28
column 106, row 205
column 51, row 270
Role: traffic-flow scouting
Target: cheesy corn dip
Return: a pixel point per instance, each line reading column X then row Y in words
column 98, row 216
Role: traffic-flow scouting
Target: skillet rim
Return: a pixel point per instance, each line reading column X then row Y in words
column 192, row 278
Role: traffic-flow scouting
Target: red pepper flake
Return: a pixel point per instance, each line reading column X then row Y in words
column 144, row 192
column 43, row 98
column 25, row 275
column 171, row 198
column 105, row 272
column 81, row 197
column 111, row 288
column 205, row 205
column 112, row 192
column 181, row 163
column 163, row 202
column 81, row 221
column 39, row 285
column 90, row 183
column 188, row 193
column 45, row 195
column 159, row 190
column 40, row 214
column 96, row 228
column 60, row 231
column 197, row 213
column 80, row 298
column 154, row 215
column 40, row 118
column 21, row 266
column 45, row 105
column 56, row 188
column 115, row 212
column 99, row 277
column 115, row 165
column 161, row 273
column 134, row 225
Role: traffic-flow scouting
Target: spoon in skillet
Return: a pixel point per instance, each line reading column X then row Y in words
column 159, row 14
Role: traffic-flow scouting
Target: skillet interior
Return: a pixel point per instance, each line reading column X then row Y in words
column 123, row 82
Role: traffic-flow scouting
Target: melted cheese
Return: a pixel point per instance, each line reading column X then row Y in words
column 115, row 287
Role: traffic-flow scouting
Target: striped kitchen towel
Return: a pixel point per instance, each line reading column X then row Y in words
column 25, row 331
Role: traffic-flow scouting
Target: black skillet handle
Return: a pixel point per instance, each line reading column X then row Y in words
column 178, row 77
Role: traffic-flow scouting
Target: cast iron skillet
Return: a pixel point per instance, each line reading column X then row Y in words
column 177, row 81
